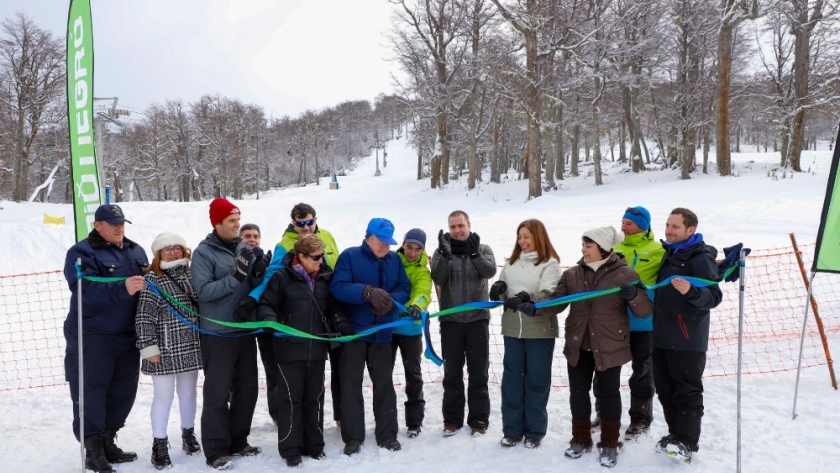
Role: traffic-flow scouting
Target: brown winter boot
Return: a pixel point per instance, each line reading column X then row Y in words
column 581, row 438
column 609, row 444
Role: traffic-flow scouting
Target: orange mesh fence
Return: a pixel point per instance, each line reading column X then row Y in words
column 33, row 308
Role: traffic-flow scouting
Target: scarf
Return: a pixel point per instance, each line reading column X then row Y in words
column 229, row 244
column 309, row 278
column 172, row 264
column 459, row 247
column 596, row 264
column 679, row 246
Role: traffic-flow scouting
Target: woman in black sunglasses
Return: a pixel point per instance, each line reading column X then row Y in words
column 299, row 296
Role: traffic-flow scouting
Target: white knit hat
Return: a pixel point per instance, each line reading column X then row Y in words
column 605, row 237
column 168, row 239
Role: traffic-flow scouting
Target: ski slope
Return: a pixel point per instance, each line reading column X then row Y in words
column 752, row 207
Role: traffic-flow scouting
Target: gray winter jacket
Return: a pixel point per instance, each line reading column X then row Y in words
column 219, row 292
column 461, row 280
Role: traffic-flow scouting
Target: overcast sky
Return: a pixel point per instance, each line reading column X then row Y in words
column 286, row 55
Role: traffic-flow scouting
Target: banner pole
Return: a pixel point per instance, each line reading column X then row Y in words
column 81, row 368
column 742, row 283
column 802, row 343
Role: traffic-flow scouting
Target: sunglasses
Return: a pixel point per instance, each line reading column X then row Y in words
column 305, row 223
column 171, row 249
column 317, row 257
column 633, row 211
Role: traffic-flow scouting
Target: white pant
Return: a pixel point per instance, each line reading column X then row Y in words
column 164, row 394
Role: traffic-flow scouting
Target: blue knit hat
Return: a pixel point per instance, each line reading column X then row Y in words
column 639, row 215
column 415, row 235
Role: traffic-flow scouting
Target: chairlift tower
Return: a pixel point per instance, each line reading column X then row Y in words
column 110, row 114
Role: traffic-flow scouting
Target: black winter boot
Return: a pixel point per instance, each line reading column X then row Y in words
column 160, row 454
column 188, row 441
column 113, row 453
column 95, row 457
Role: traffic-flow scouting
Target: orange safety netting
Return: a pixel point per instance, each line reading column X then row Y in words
column 33, row 308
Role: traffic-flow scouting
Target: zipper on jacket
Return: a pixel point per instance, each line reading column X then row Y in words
column 683, row 327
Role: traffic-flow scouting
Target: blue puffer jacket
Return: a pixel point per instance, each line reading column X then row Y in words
column 106, row 306
column 358, row 267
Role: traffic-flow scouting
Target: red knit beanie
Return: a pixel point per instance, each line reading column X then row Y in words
column 220, row 209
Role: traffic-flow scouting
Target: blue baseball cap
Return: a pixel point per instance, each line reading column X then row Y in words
column 383, row 229
column 110, row 213
column 639, row 215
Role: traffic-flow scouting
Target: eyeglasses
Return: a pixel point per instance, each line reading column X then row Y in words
column 305, row 223
column 317, row 257
column 171, row 249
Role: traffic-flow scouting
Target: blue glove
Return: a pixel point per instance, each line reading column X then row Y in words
column 730, row 259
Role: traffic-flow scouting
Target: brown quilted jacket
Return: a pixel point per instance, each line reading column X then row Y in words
column 604, row 317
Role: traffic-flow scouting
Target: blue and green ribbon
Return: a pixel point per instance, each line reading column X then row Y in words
column 425, row 317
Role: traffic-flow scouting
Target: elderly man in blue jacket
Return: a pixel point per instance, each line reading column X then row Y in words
column 368, row 279
column 111, row 358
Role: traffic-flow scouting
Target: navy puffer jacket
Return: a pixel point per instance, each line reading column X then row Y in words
column 107, row 307
column 358, row 267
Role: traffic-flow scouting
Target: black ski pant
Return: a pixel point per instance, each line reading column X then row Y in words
column 526, row 383
column 411, row 349
column 265, row 342
column 679, row 384
column 300, row 403
column 641, row 380
column 335, row 381
column 379, row 360
column 580, row 382
column 111, row 371
column 231, row 387
column 466, row 343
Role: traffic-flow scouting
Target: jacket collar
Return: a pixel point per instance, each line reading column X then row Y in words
column 639, row 239
column 693, row 240
column 97, row 242
column 423, row 260
column 369, row 253
column 614, row 259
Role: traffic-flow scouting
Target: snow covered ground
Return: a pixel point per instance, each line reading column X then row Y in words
column 752, row 207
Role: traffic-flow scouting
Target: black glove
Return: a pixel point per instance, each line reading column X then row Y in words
column 258, row 253
column 444, row 247
column 414, row 312
column 527, row 308
column 731, row 257
column 628, row 291
column 379, row 300
column 261, row 263
column 513, row 302
column 243, row 263
column 472, row 245
column 245, row 311
column 343, row 325
column 497, row 289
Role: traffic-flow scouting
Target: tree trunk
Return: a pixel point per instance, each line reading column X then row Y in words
column 495, row 159
column 20, row 169
column 419, row 163
column 532, row 94
column 596, row 133
column 435, row 165
column 559, row 144
column 724, row 158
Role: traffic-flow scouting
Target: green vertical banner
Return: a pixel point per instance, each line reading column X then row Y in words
column 86, row 191
column 827, row 253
